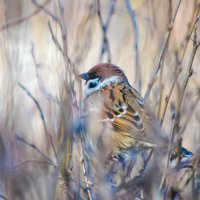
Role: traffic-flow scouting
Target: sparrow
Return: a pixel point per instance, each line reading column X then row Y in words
column 117, row 115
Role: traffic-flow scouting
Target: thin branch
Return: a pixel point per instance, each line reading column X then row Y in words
column 61, row 23
column 183, row 47
column 19, row 20
column 86, row 181
column 57, row 44
column 104, row 26
column 41, row 115
column 162, row 52
column 161, row 91
column 67, row 60
column 35, row 162
column 40, row 83
column 192, row 110
column 36, row 103
column 45, row 10
column 69, row 65
column 185, row 83
column 64, row 28
column 161, row 85
column 169, row 150
column 167, row 98
column 134, row 21
column 189, row 70
column 35, row 148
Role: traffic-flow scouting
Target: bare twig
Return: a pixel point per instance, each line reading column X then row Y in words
column 34, row 162
column 105, row 44
column 162, row 52
column 192, row 110
column 189, row 69
column 87, row 182
column 183, row 47
column 41, row 115
column 19, row 20
column 167, row 98
column 169, row 150
column 40, row 83
column 45, row 10
column 35, row 148
column 57, row 44
column 134, row 21
column 187, row 77
column 61, row 23
column 60, row 48
column 161, row 91
column 69, row 65
column 161, row 85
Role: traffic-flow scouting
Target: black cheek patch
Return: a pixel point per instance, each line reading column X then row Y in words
column 92, row 85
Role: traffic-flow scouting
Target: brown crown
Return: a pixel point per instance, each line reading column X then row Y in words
column 106, row 70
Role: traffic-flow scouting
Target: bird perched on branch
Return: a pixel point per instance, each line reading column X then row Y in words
column 117, row 115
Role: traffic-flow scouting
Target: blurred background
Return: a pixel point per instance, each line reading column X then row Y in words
column 44, row 45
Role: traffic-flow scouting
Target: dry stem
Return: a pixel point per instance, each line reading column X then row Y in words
column 162, row 53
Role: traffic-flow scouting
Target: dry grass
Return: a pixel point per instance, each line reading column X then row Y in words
column 44, row 45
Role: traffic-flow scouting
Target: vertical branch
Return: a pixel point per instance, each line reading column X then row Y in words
column 67, row 60
column 42, row 117
column 61, row 23
column 185, row 82
column 33, row 146
column 162, row 52
column 167, row 98
column 192, row 110
column 87, row 181
column 183, row 48
column 169, row 149
column 161, row 85
column 40, row 82
column 104, row 26
column 134, row 21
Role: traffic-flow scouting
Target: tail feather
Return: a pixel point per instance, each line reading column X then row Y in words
column 183, row 151
column 186, row 153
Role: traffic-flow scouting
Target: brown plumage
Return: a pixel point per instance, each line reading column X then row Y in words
column 106, row 70
column 118, row 113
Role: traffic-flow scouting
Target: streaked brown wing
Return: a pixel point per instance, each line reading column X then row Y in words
column 124, row 108
column 124, row 113
column 130, row 116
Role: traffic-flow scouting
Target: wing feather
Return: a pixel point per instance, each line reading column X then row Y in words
column 121, row 106
column 123, row 113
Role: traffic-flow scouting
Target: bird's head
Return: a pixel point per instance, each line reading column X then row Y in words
column 102, row 75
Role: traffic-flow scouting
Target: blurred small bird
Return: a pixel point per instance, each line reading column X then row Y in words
column 125, row 120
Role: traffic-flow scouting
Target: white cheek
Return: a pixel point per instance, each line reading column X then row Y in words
column 89, row 90
column 113, row 79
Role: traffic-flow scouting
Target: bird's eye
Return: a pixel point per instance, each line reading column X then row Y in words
column 92, row 84
column 92, row 76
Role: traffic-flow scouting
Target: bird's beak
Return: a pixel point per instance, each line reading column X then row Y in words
column 84, row 76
